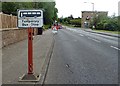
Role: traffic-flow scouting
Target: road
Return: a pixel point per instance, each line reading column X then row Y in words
column 81, row 57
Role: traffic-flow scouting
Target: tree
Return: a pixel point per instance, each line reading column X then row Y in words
column 70, row 17
column 103, row 22
column 66, row 20
column 118, row 23
column 9, row 8
column 76, row 22
column 49, row 13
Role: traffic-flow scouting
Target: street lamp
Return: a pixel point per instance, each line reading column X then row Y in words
column 93, row 26
column 92, row 4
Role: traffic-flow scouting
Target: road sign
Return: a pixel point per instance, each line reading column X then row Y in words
column 30, row 18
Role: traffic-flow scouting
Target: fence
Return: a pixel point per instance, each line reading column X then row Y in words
column 9, row 32
column 8, row 21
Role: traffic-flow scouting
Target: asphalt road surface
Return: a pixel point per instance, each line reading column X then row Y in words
column 81, row 57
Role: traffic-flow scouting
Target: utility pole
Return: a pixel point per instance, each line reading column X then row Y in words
column 93, row 26
column 92, row 5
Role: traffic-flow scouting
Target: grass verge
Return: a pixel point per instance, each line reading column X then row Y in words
column 113, row 32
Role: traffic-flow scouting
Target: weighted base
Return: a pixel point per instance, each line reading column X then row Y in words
column 30, row 78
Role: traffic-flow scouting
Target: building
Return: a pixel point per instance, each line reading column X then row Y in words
column 87, row 17
column 119, row 8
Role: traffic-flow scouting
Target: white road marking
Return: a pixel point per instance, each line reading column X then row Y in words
column 89, row 38
column 115, row 47
column 81, row 35
column 94, row 39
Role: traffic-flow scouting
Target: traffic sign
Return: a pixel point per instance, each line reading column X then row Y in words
column 30, row 18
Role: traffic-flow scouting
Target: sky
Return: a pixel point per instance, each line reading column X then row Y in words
column 74, row 7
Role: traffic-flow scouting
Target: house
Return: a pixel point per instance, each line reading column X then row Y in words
column 87, row 17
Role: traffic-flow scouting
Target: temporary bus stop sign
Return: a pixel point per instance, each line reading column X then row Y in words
column 30, row 18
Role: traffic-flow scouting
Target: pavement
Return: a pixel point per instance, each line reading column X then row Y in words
column 14, row 59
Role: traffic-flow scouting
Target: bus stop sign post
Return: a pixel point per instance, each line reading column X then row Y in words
column 30, row 19
column 30, row 51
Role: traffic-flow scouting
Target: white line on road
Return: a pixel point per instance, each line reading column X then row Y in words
column 115, row 47
column 81, row 35
column 94, row 39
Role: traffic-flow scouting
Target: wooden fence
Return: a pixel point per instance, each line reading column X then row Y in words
column 9, row 33
column 8, row 21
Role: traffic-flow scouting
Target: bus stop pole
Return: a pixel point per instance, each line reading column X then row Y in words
column 30, row 76
column 30, row 51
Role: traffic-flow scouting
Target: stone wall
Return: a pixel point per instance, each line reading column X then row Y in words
column 10, row 36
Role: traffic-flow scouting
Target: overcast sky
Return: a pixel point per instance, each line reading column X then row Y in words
column 74, row 7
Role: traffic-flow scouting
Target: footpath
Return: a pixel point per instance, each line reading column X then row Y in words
column 15, row 59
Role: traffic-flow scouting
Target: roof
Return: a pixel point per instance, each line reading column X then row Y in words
column 94, row 11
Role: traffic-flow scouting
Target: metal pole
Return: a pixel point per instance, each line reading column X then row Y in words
column 30, row 51
column 93, row 6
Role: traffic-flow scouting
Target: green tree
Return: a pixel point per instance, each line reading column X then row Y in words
column 118, row 23
column 76, row 22
column 66, row 20
column 50, row 12
column 112, row 24
column 103, row 22
column 9, row 8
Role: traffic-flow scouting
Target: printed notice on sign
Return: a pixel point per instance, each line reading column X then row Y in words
column 30, row 18
column 30, row 23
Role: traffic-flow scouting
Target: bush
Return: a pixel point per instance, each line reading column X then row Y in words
column 99, row 26
column 118, row 23
column 76, row 22
column 109, row 23
column 106, row 23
